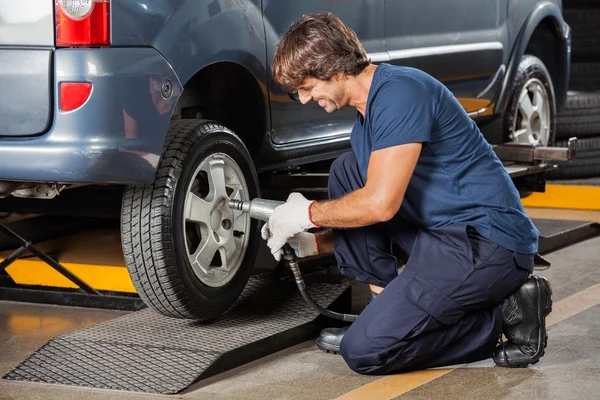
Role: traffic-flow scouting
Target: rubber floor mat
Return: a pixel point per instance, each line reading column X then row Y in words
column 147, row 352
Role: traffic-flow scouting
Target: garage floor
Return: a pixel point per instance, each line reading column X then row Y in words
column 570, row 369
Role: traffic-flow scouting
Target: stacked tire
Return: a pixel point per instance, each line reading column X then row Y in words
column 580, row 116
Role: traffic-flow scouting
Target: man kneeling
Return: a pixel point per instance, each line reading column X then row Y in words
column 421, row 174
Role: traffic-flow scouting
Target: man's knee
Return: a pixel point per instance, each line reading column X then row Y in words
column 361, row 354
column 343, row 175
column 342, row 164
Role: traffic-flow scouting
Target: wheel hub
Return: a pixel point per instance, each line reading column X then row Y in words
column 215, row 235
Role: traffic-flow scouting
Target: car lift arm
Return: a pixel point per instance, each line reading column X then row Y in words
column 27, row 246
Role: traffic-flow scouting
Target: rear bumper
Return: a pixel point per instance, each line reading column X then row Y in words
column 116, row 136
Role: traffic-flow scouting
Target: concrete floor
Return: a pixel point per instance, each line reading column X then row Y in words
column 570, row 369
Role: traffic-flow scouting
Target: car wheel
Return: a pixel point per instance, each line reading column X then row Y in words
column 531, row 115
column 189, row 255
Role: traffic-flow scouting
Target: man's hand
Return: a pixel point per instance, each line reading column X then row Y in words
column 288, row 219
column 304, row 243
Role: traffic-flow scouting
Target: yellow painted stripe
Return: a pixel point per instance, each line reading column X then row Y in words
column 574, row 304
column 573, row 197
column 100, row 277
column 392, row 386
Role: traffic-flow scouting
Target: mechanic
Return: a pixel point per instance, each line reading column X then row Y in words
column 421, row 174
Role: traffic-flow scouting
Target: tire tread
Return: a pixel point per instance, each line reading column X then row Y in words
column 146, row 224
column 580, row 115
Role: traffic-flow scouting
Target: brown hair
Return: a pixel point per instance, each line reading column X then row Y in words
column 317, row 45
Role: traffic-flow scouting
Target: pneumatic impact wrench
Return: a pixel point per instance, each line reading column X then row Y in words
column 262, row 209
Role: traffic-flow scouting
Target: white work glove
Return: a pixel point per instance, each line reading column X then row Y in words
column 303, row 243
column 288, row 219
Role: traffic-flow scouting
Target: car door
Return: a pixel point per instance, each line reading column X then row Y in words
column 463, row 43
column 291, row 121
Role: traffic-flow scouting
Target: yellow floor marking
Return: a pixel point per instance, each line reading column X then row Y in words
column 392, row 386
column 100, row 277
column 574, row 304
column 565, row 196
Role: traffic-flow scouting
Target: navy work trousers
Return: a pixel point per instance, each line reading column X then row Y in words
column 442, row 309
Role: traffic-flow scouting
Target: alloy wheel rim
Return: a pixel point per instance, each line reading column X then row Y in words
column 216, row 237
column 532, row 121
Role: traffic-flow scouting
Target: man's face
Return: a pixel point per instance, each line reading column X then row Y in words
column 329, row 94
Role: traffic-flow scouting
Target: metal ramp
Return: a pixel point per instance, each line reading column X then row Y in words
column 556, row 234
column 147, row 352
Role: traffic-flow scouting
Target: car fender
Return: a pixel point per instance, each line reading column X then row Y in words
column 539, row 13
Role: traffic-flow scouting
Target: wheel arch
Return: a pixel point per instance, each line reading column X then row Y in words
column 218, row 52
column 229, row 93
column 544, row 25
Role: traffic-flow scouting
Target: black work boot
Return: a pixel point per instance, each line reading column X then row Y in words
column 330, row 338
column 524, row 324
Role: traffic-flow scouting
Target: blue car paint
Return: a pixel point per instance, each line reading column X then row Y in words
column 95, row 143
column 171, row 40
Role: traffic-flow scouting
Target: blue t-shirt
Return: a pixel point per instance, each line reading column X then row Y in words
column 458, row 178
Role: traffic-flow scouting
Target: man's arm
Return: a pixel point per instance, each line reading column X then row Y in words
column 388, row 175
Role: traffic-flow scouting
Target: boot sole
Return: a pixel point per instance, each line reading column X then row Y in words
column 543, row 311
column 328, row 348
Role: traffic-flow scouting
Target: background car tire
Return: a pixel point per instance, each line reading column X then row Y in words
column 156, row 238
column 580, row 115
column 585, row 31
column 585, row 76
column 570, row 4
column 585, row 165
column 531, row 113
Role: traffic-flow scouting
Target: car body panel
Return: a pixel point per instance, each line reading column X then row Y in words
column 292, row 121
column 472, row 46
column 117, row 135
column 193, row 34
column 27, row 23
column 439, row 38
column 26, row 42
column 26, row 83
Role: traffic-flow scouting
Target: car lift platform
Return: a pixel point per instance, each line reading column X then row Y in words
column 147, row 352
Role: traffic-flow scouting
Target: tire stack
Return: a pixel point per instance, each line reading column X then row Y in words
column 580, row 116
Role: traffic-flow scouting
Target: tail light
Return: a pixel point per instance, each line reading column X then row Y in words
column 82, row 22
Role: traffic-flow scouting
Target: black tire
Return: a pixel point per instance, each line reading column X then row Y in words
column 530, row 67
column 585, row 165
column 571, row 4
column 585, row 76
column 153, row 229
column 585, row 28
column 580, row 115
